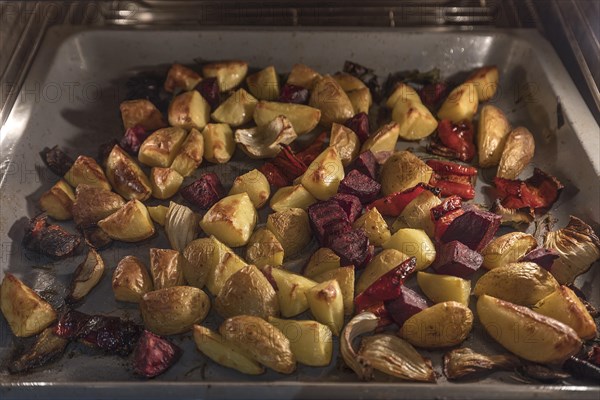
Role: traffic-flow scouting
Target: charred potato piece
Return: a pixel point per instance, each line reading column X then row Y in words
column 265, row 343
column 126, row 176
column 86, row 276
column 291, row 228
column 223, row 352
column 58, row 201
column 247, row 292
column 231, row 220
column 229, row 74
column 160, row 148
column 321, row 261
column 303, row 76
column 310, row 341
column 328, row 96
column 291, row 197
column 93, row 204
column 492, row 132
column 190, row 154
column 323, row 176
column 383, row 140
column 131, row 223
column 403, row 170
column 189, row 110
column 87, row 171
column 130, row 280
column 181, row 77
column 174, row 310
column 143, row 113
column 461, row 104
column 381, row 263
column 264, row 249
column 414, row 120
column 374, row 226
column 291, row 290
column 219, row 144
column 326, row 304
column 345, row 278
column 485, row 80
column 165, row 267
column 255, row 184
column 165, row 182
column 303, row 118
column 517, row 153
column 237, row 110
column 264, row 84
column 507, row 249
column 158, row 214
column 346, row 143
column 25, row 311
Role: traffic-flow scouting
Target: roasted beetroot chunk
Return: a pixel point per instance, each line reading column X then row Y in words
column 382, row 313
column 454, row 258
column 352, row 247
column 49, row 240
column 153, row 355
column 328, row 219
column 539, row 192
column 365, row 163
column 542, row 257
column 387, row 287
column 312, row 151
column 204, row 191
column 133, row 139
column 57, row 160
column 274, row 175
column 475, row 228
column 359, row 124
column 361, row 186
column 350, row 204
column 405, row 306
column 433, row 93
column 293, row 94
column 393, row 204
column 209, row 89
column 443, row 214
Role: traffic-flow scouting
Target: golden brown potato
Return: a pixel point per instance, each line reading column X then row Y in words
column 27, row 313
column 402, row 92
column 485, row 80
column 374, row 226
column 93, row 204
column 174, row 310
column 310, row 341
column 321, row 261
column 247, row 292
column 131, row 223
column 381, row 263
column 264, row 249
column 229, row 74
column 461, row 104
column 130, row 280
column 264, row 84
column 414, row 120
column 345, row 141
column 291, row 290
column 181, row 77
column 517, row 153
column 190, row 154
column 255, row 184
column 189, row 110
column 348, row 82
column 87, row 171
column 326, row 304
column 345, row 278
column 158, row 214
column 328, row 96
column 126, row 176
column 223, row 352
column 231, row 220
column 303, row 76
column 507, row 249
column 527, row 334
column 230, row 263
column 361, row 100
column 440, row 288
column 58, row 201
column 291, row 228
column 165, row 268
column 303, row 118
column 403, row 170
column 417, row 213
column 143, row 113
column 160, row 148
column 86, row 276
column 442, row 325
column 323, row 176
column 219, row 145
column 383, row 140
column 237, row 110
column 492, row 132
column 413, row 243
column 291, row 197
column 165, row 182
column 265, row 343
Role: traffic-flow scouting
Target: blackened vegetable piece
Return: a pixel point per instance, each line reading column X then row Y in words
column 454, row 258
column 49, row 240
column 352, row 247
column 204, row 191
column 209, row 89
column 96, row 237
column 46, row 348
column 539, row 191
column 153, row 355
column 57, row 160
column 328, row 218
column 582, row 369
column 149, row 86
column 432, row 94
column 293, row 94
column 405, row 306
column 542, row 257
column 359, row 124
column 475, row 228
column 365, row 163
column 350, row 204
column 133, row 139
column 361, row 186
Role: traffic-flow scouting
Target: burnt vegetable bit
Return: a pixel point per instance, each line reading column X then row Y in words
column 46, row 348
column 49, row 240
column 540, row 191
column 205, row 191
column 57, row 160
column 582, row 369
column 153, row 355
column 149, row 86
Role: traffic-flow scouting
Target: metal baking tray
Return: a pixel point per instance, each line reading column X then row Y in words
column 71, row 97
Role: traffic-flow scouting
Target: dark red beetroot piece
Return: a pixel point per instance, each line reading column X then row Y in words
column 274, row 175
column 542, row 257
column 49, row 240
column 475, row 228
column 433, row 93
column 209, row 89
column 352, row 247
column 153, row 355
column 393, row 204
column 405, row 306
column 288, row 163
column 328, row 219
column 293, row 94
column 454, row 258
column 350, row 204
column 454, row 140
column 365, row 163
column 312, row 151
column 204, row 191
column 57, row 160
column 443, row 214
column 133, row 139
column 359, row 125
column 540, row 191
column 361, row 186
column 387, row 287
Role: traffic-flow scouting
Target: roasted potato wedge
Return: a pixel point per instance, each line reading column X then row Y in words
column 291, row 197
column 237, row 110
column 442, row 325
column 131, row 223
column 291, row 291
column 181, row 77
column 492, row 132
column 414, row 120
column 143, row 113
column 264, row 84
column 303, row 76
column 25, row 311
column 348, row 82
column 518, row 152
column 231, row 220
column 329, row 97
column 417, row 213
column 321, row 261
column 219, row 145
column 527, row 334
column 402, row 93
column 264, row 249
column 382, row 140
column 160, row 148
column 223, row 352
column 291, row 228
column 86, row 276
column 158, row 214
column 165, row 182
column 87, row 171
column 190, row 154
column 381, row 263
column 165, row 267
column 361, row 100
column 58, row 201
column 310, row 341
column 440, row 288
column 229, row 74
column 230, row 263
column 523, row 283
column 345, row 141
column 403, row 170
column 126, row 176
column 303, row 118
column 93, row 204
column 413, row 243
column 265, row 343
column 255, row 184
column 247, row 292
column 374, row 226
column 507, row 249
column 189, row 110
column 130, row 280
column 326, row 304
column 345, row 278
column 324, row 174
column 174, row 310
column 485, row 80
column 461, row 104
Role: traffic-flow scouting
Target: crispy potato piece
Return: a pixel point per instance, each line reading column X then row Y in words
column 323, row 176
column 381, row 263
column 303, row 76
column 291, row 228
column 328, row 96
column 181, row 77
column 165, row 267
column 507, row 249
column 326, row 304
column 130, row 280
column 25, row 311
column 58, row 201
column 417, row 213
column 237, row 110
column 382, row 140
column 229, row 74
column 345, row 141
column 86, row 276
column 264, row 249
column 93, row 204
column 126, row 176
column 440, row 288
column 321, row 261
column 160, row 148
column 374, row 226
column 189, row 110
column 231, row 220
column 219, row 144
column 403, row 170
column 361, row 100
column 165, row 182
column 190, row 154
column 158, row 214
column 414, row 120
column 255, row 184
column 291, row 289
column 492, row 132
column 402, row 92
column 461, row 104
column 303, row 118
column 485, row 80
column 310, row 341
column 345, row 278
column 143, row 113
column 413, row 243
column 131, row 223
column 264, row 84
column 87, row 171
column 295, row 196
column 518, row 152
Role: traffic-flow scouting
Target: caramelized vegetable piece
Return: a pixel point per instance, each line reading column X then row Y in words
column 455, row 258
column 323, row 176
column 539, row 191
column 131, row 223
column 518, row 152
column 454, row 140
column 86, row 170
column 143, row 113
column 189, row 110
column 126, row 176
column 475, row 228
column 328, row 219
column 229, row 74
column 205, row 191
column 49, row 240
column 237, row 110
column 514, row 217
column 393, row 204
column 232, row 220
column 130, row 280
column 485, row 81
column 86, row 276
column 46, row 348
column 453, row 179
column 165, row 182
column 181, row 77
column 407, row 304
column 165, row 268
column 57, row 160
column 461, row 104
column 353, row 247
column 464, row 362
column 154, row 355
column 350, row 204
column 190, row 154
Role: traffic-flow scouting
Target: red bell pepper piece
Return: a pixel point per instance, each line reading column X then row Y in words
column 382, row 313
column 450, row 168
column 450, row 188
column 288, row 164
column 454, row 140
column 539, row 191
column 443, row 214
column 393, row 204
column 453, row 179
column 308, row 154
